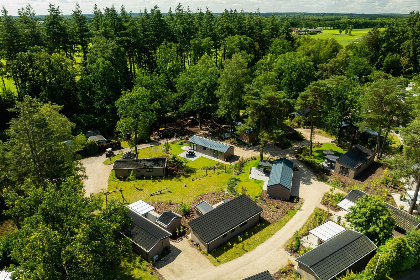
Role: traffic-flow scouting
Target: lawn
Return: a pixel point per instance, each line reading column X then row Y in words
column 343, row 39
column 248, row 240
column 134, row 267
column 318, row 154
column 251, row 187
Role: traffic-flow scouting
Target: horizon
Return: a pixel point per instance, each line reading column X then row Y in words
column 402, row 7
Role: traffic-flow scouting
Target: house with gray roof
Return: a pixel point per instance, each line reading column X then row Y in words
column 211, row 148
column 280, row 181
column 265, row 275
column 169, row 220
column 224, row 222
column 148, row 239
column 142, row 167
column 347, row 250
column 404, row 221
column 354, row 161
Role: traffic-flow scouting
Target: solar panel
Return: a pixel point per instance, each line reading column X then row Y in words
column 140, row 207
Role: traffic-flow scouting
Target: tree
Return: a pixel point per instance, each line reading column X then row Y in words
column 197, row 86
column 406, row 165
column 231, row 90
column 80, row 31
column 266, row 108
column 136, row 113
column 384, row 106
column 56, row 31
column 35, row 147
column 371, row 217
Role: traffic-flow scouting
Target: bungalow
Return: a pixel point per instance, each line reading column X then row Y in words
column 265, row 275
column 280, row 181
column 148, row 239
column 146, row 167
column 95, row 135
column 404, row 222
column 211, row 148
column 224, row 222
column 169, row 220
column 354, row 161
column 347, row 250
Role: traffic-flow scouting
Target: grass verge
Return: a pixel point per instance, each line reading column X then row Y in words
column 251, row 187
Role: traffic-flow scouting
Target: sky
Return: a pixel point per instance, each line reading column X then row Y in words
column 310, row 6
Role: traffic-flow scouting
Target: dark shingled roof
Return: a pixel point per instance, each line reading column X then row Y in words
column 354, row 195
column 337, row 254
column 281, row 173
column 203, row 207
column 167, row 217
column 265, row 275
column 140, row 163
column 356, row 156
column 144, row 233
column 224, row 218
column 403, row 219
column 209, row 143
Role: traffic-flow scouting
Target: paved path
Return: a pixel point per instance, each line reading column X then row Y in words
column 316, row 137
column 268, row 256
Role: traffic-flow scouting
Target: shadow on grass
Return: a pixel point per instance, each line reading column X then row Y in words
column 234, row 241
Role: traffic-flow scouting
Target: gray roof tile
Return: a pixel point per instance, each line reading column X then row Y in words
column 356, row 156
column 224, row 218
column 209, row 143
column 167, row 217
column 265, row 275
column 281, row 173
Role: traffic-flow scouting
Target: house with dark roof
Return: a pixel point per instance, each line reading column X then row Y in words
column 280, row 181
column 354, row 161
column 95, row 135
column 265, row 275
column 169, row 220
column 404, row 221
column 148, row 238
column 224, row 222
column 347, row 250
column 142, row 167
column 211, row 148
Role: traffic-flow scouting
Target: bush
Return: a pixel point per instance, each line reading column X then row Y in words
column 6, row 246
column 413, row 239
column 294, row 243
column 91, row 147
column 184, row 208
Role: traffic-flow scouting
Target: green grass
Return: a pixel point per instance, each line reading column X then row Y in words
column 134, row 267
column 319, row 156
column 343, row 39
column 252, row 187
column 10, row 84
column 250, row 240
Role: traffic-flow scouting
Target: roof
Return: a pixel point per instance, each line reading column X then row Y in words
column 92, row 132
column 224, row 218
column 4, row 275
column 203, row 207
column 350, row 199
column 167, row 217
column 327, row 230
column 281, row 173
column 265, row 275
column 145, row 233
column 209, row 143
column 96, row 138
column 140, row 163
column 140, row 207
column 403, row 219
column 356, row 156
column 337, row 254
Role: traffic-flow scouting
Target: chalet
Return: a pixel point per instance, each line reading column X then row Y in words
column 95, row 135
column 143, row 167
column 347, row 250
column 211, row 148
column 280, row 181
column 148, row 239
column 265, row 275
column 169, row 220
column 224, row 222
column 404, row 222
column 354, row 161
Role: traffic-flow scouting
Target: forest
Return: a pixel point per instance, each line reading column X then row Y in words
column 124, row 73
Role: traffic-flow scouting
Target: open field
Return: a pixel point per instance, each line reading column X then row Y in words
column 343, row 39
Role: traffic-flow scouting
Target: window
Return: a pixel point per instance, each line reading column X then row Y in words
column 232, row 231
column 149, row 170
column 215, row 154
column 243, row 224
column 204, row 148
column 344, row 171
column 224, row 235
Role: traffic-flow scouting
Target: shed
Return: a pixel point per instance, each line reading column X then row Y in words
column 211, row 148
column 265, row 275
column 327, row 231
column 148, row 239
column 354, row 161
column 143, row 167
column 224, row 222
column 280, row 180
column 347, row 250
column 170, row 221
column 203, row 207
column 350, row 199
